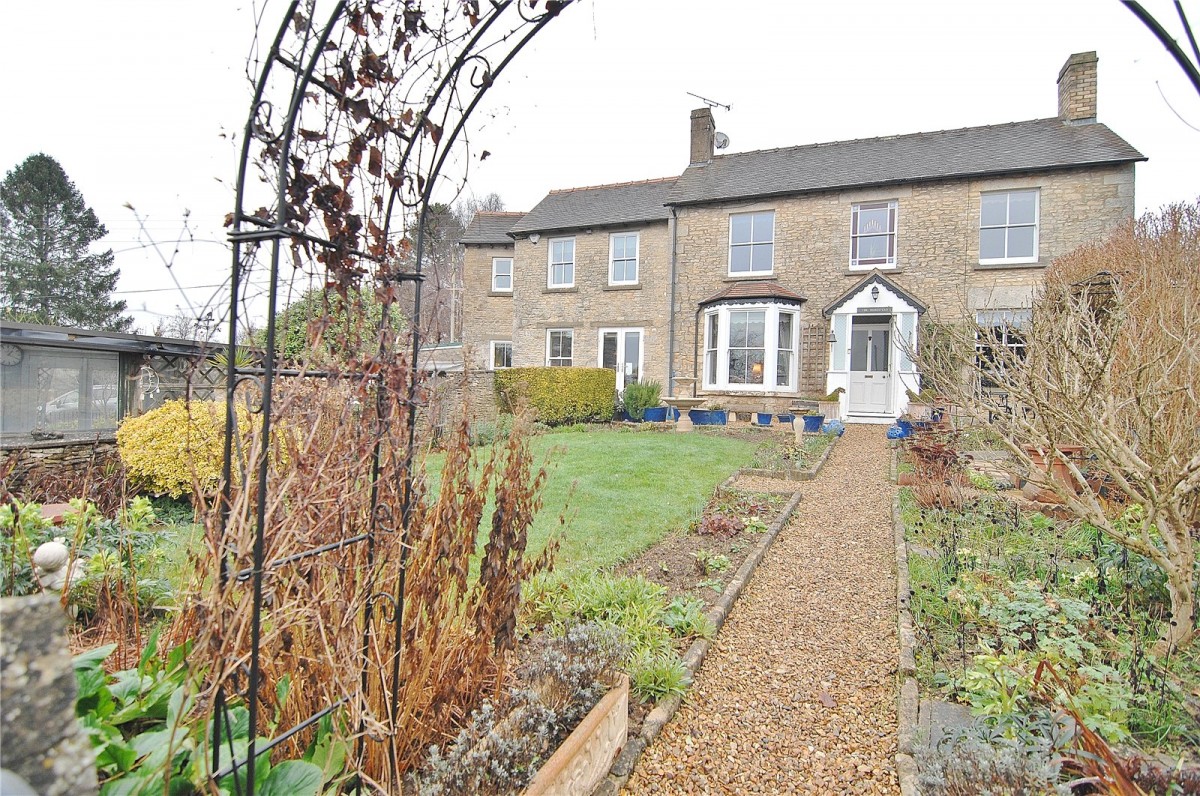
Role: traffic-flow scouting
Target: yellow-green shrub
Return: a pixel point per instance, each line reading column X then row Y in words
column 559, row 395
column 169, row 448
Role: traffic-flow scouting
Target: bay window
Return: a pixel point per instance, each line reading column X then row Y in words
column 751, row 347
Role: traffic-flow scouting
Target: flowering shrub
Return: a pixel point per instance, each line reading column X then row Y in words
column 176, row 447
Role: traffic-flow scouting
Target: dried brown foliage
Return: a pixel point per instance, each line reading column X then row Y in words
column 456, row 630
column 938, row 470
column 1113, row 364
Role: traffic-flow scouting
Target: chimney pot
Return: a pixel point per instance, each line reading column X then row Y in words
column 703, row 130
column 1077, row 89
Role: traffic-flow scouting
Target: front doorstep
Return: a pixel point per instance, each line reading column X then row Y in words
column 584, row 758
column 879, row 420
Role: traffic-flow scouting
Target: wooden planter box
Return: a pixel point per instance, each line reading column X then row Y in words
column 585, row 757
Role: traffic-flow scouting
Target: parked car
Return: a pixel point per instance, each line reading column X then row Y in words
column 64, row 409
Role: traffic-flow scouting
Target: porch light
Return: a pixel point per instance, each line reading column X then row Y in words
column 832, row 337
column 874, row 292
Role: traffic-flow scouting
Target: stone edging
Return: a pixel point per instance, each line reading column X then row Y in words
column 906, row 731
column 665, row 709
column 789, row 475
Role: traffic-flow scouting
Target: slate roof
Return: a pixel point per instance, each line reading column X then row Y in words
column 601, row 205
column 745, row 291
column 490, row 227
column 1003, row 148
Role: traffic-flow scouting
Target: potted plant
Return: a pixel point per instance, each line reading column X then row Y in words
column 831, row 405
column 641, row 401
column 763, row 418
column 714, row 415
column 812, row 422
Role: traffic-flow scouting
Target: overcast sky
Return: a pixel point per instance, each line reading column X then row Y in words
column 136, row 97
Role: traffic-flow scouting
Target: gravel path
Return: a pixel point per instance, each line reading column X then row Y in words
column 799, row 693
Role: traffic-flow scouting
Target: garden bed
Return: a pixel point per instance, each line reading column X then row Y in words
column 998, row 587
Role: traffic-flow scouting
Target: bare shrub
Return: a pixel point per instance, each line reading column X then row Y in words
column 1113, row 365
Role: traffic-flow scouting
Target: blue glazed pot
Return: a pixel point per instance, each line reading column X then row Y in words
column 655, row 414
column 763, row 418
column 707, row 417
column 812, row 423
column 786, row 418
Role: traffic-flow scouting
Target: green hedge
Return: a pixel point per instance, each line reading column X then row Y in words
column 559, row 395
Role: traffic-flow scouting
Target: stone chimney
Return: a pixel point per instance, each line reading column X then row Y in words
column 1076, row 89
column 703, row 128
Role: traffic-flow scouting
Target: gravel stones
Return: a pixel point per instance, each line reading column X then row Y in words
column 798, row 694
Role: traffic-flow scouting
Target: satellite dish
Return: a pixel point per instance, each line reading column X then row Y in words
column 721, row 140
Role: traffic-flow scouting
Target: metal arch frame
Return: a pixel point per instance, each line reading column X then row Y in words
column 251, row 230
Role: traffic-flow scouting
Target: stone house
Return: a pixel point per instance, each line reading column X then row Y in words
column 772, row 275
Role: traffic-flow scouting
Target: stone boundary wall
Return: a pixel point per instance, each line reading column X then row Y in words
column 43, row 741
column 75, row 455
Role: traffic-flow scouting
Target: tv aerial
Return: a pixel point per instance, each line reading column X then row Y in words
column 710, row 103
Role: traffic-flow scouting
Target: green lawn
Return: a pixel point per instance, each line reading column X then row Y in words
column 631, row 489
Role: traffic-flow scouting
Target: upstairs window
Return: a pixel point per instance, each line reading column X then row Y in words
column 623, row 259
column 1008, row 227
column 873, row 235
column 562, row 263
column 502, row 275
column 752, row 243
column 560, row 348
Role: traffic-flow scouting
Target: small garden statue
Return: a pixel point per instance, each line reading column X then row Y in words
column 54, row 567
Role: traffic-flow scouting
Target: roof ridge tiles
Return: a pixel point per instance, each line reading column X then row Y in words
column 652, row 180
column 501, row 212
column 894, row 137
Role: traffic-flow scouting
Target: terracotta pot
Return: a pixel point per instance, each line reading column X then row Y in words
column 1056, row 468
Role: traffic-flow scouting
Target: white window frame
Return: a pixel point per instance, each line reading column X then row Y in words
column 570, row 361
column 495, row 344
column 495, row 274
column 1037, row 224
column 1007, row 332
column 720, row 350
column 612, row 258
column 751, row 244
column 551, row 263
column 871, row 263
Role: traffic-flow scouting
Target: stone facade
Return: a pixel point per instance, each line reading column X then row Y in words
column 593, row 304
column 487, row 315
column 937, row 253
column 1082, row 173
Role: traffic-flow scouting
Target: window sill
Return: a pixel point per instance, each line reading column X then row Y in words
column 500, row 293
column 891, row 269
column 1006, row 266
column 636, row 286
column 751, row 277
column 571, row 289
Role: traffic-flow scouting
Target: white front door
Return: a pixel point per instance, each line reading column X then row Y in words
column 870, row 365
column 621, row 352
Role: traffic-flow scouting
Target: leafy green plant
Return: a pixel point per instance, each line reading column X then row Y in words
column 686, row 618
column 634, row 606
column 709, row 563
column 175, row 447
column 559, row 395
column 716, row 584
column 653, row 676
column 980, row 481
column 640, row 396
column 144, row 728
